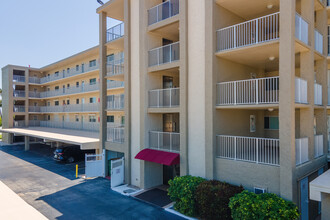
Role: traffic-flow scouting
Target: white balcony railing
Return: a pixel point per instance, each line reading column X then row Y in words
column 301, row 151
column 301, row 29
column 19, row 108
column 89, row 107
column 34, row 123
column 34, row 108
column 317, row 94
column 163, row 11
column 318, row 41
column 164, row 54
column 115, row 134
column 115, row 32
column 300, row 91
column 252, row 91
column 164, row 98
column 318, row 145
column 251, row 149
column 17, row 78
column 19, row 123
column 165, row 141
column 115, row 67
column 33, row 94
column 251, row 32
column 86, row 126
column 19, row 93
column 34, row 79
column 115, row 102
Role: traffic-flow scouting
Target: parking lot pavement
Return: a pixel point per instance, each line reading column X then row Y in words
column 52, row 189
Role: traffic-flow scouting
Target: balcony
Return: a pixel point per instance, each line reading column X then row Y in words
column 19, row 108
column 165, row 54
column 34, row 123
column 116, row 67
column 19, row 123
column 34, row 108
column 317, row 94
column 115, row 134
column 90, row 107
column 318, row 146
column 86, row 126
column 258, row 31
column 17, row 78
column 318, row 41
column 164, row 141
column 19, row 93
column 86, row 67
column 163, row 11
column 115, row 32
column 34, row 80
column 33, row 94
column 115, row 102
column 261, row 91
column 301, row 151
column 164, row 98
column 250, row 149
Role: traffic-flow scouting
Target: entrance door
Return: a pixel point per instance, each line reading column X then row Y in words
column 82, row 85
column 304, row 198
column 117, row 172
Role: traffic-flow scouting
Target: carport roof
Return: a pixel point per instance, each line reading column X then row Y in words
column 86, row 139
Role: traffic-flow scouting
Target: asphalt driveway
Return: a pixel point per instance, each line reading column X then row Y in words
column 53, row 190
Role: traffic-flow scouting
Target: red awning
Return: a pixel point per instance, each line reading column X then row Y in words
column 157, row 156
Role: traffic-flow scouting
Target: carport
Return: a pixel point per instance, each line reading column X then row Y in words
column 86, row 140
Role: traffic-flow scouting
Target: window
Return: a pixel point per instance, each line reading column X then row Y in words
column 76, row 118
column 92, row 81
column 48, row 117
column 92, row 118
column 77, row 67
column 48, row 103
column 259, row 190
column 48, row 75
column 110, row 118
column 68, row 86
column 35, row 104
column 56, row 73
column 63, row 72
column 56, row 103
column 68, row 101
column 62, row 117
column 57, row 87
column 271, row 123
column 92, row 100
column 35, row 117
column 48, row 89
column 77, row 84
column 92, row 63
column 110, row 58
column 68, row 70
column 77, row 101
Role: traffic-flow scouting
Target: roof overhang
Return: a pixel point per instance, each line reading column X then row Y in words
column 157, row 156
column 113, row 9
column 86, row 140
column 320, row 185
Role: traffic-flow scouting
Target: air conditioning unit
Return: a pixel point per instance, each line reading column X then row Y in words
column 259, row 190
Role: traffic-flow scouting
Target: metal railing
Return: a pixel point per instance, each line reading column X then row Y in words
column 115, row 67
column 165, row 54
column 251, row 32
column 19, row 93
column 19, row 123
column 19, row 108
column 164, row 98
column 317, row 94
column 301, row 29
column 115, row 134
column 34, row 123
column 34, row 108
column 252, row 91
column 115, row 32
column 86, row 126
column 251, row 149
column 89, row 107
column 17, row 78
column 86, row 67
column 33, row 79
column 115, row 102
column 301, row 150
column 163, row 11
column 300, row 91
column 165, row 141
column 318, row 41
column 318, row 146
column 33, row 94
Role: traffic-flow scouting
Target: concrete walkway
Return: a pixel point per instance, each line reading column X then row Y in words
column 12, row 207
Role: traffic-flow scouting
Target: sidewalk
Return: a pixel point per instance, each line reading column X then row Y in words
column 13, row 207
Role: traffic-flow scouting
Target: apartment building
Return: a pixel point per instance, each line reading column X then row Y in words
column 220, row 89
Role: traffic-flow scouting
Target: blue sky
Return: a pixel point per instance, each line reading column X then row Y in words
column 40, row 32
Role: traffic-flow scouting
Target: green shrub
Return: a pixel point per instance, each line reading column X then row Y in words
column 247, row 205
column 212, row 198
column 182, row 192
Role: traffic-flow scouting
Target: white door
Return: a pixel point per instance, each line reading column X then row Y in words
column 304, row 198
column 94, row 165
column 117, row 172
